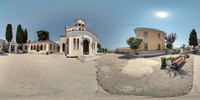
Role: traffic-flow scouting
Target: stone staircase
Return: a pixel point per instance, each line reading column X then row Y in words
column 87, row 58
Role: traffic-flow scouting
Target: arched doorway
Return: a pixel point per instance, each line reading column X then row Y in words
column 63, row 47
column 85, row 47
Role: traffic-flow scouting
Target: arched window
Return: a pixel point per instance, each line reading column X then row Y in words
column 74, row 43
column 77, row 43
column 34, row 47
column 31, row 47
column 41, row 47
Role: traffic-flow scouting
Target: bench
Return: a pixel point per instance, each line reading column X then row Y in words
column 186, row 55
column 177, row 62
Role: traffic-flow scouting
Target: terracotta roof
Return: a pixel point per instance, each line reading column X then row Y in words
column 41, row 42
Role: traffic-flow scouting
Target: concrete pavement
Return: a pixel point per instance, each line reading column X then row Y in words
column 54, row 77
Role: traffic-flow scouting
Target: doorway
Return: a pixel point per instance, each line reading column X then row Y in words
column 85, row 47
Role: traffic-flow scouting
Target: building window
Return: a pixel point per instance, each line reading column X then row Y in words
column 145, row 34
column 41, row 47
column 158, row 36
column 54, row 47
column 83, row 25
column 74, row 43
column 31, row 47
column 34, row 47
column 146, row 46
column 158, row 46
column 50, row 46
column 77, row 43
column 72, row 29
column 25, row 47
column 79, row 24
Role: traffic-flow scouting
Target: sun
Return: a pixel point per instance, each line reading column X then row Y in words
column 162, row 14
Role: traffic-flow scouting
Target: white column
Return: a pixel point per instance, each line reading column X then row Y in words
column 70, row 39
column 16, row 45
column 81, row 46
column 95, row 47
column 47, row 47
column 10, row 48
column 90, row 47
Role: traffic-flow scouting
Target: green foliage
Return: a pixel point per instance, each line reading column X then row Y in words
column 193, row 38
column 106, row 50
column 169, row 58
column 9, row 35
column 25, row 36
column 19, row 35
column 134, row 42
column 169, row 46
column 188, row 48
column 99, row 46
column 43, row 35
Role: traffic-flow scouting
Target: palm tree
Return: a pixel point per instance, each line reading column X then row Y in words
column 170, row 39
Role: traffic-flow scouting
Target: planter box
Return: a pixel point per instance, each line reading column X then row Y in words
column 169, row 63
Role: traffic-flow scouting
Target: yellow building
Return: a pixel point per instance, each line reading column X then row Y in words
column 153, row 39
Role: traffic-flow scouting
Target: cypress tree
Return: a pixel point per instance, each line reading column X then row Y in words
column 193, row 38
column 19, row 35
column 9, row 35
column 25, row 36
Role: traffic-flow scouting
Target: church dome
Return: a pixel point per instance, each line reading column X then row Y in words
column 80, row 22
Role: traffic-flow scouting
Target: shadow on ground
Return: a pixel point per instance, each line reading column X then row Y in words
column 173, row 72
column 128, row 57
column 3, row 54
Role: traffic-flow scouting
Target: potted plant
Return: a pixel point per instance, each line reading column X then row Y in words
column 169, row 61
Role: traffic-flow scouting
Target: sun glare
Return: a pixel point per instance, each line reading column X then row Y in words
column 162, row 14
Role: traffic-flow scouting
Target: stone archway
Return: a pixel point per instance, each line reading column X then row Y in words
column 85, row 47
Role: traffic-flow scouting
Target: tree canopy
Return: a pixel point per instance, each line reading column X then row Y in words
column 19, row 35
column 193, row 38
column 9, row 35
column 43, row 35
column 134, row 42
column 25, row 36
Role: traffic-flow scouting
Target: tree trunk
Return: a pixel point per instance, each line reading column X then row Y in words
column 171, row 52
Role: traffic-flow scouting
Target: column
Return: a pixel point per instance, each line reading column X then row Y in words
column 70, row 39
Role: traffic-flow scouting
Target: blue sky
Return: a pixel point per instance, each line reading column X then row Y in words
column 112, row 21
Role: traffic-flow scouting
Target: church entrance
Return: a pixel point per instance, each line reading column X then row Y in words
column 85, row 47
column 12, row 48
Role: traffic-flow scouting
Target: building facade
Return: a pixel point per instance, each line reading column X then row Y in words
column 3, row 44
column 40, row 47
column 153, row 39
column 78, row 40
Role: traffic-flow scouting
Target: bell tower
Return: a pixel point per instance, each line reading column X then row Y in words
column 80, row 22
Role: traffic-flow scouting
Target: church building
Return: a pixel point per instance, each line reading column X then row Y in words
column 78, row 40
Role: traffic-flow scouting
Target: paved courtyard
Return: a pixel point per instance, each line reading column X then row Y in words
column 54, row 77
column 125, row 74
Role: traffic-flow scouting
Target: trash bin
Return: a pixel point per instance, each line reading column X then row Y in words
column 47, row 53
column 163, row 63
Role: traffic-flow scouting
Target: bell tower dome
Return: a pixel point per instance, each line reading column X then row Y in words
column 80, row 22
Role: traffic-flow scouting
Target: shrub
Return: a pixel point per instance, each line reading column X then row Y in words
column 169, row 58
